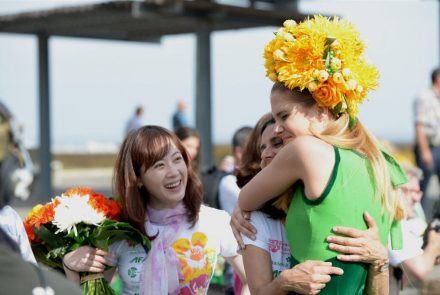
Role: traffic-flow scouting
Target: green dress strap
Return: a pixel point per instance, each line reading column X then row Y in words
column 348, row 194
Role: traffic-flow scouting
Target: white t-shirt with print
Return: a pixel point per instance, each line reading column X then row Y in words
column 212, row 232
column 271, row 237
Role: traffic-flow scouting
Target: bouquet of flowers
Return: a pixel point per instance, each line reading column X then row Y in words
column 77, row 218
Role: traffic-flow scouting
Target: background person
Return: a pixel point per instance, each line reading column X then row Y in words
column 219, row 183
column 12, row 224
column 16, row 178
column 19, row 272
column 18, row 276
column 16, row 167
column 228, row 189
column 190, row 139
column 413, row 263
column 135, row 122
column 427, row 127
column 179, row 118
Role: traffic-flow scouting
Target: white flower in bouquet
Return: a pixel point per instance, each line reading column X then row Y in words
column 75, row 209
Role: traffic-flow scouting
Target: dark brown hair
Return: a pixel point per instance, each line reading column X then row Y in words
column 139, row 151
column 251, row 160
column 184, row 133
column 435, row 73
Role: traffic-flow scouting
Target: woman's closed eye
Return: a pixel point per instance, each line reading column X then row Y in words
column 158, row 165
column 178, row 158
column 284, row 116
column 276, row 142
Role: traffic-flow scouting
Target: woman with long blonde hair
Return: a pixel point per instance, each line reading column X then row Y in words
column 336, row 165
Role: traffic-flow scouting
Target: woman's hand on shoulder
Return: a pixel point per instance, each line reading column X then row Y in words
column 87, row 259
column 359, row 245
column 309, row 277
column 240, row 225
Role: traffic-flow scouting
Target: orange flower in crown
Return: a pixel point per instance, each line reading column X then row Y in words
column 325, row 57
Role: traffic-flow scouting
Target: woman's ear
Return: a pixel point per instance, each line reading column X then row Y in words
column 324, row 114
column 139, row 183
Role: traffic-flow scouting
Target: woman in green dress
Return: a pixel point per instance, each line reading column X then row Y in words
column 335, row 164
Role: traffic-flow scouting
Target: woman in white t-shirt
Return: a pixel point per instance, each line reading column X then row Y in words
column 161, row 196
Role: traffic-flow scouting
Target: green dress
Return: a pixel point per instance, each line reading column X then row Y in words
column 349, row 193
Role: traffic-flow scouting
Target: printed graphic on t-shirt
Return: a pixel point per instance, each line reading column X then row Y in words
column 277, row 246
column 280, row 254
column 197, row 263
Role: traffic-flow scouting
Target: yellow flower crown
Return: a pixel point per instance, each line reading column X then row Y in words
column 325, row 57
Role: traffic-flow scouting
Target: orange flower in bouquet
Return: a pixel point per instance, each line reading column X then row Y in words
column 77, row 218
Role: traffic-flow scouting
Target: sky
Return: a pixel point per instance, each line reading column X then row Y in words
column 96, row 85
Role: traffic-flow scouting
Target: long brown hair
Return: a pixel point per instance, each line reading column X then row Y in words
column 338, row 133
column 251, row 156
column 251, row 161
column 139, row 151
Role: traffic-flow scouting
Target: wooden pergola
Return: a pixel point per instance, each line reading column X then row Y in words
column 142, row 21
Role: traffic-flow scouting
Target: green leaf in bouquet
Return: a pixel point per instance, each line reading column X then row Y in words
column 98, row 286
column 58, row 252
column 83, row 233
column 111, row 231
column 40, row 252
column 53, row 240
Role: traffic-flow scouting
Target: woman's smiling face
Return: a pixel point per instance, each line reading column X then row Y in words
column 291, row 119
column 269, row 146
column 166, row 180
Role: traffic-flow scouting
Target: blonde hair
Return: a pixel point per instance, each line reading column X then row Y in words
column 338, row 133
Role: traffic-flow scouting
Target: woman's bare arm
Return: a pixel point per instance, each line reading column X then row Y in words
column 305, row 158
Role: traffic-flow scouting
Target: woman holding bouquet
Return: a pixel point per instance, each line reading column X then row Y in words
column 337, row 168
column 161, row 196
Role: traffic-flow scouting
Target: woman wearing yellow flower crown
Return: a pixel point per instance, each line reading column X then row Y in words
column 337, row 169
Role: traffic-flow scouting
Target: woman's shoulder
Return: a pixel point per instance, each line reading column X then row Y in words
column 207, row 211
column 209, row 216
column 262, row 219
column 310, row 149
column 308, row 142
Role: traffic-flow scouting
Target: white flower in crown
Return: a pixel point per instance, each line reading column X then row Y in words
column 289, row 37
column 323, row 76
column 346, row 72
column 278, row 54
column 290, row 23
column 335, row 63
column 75, row 209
